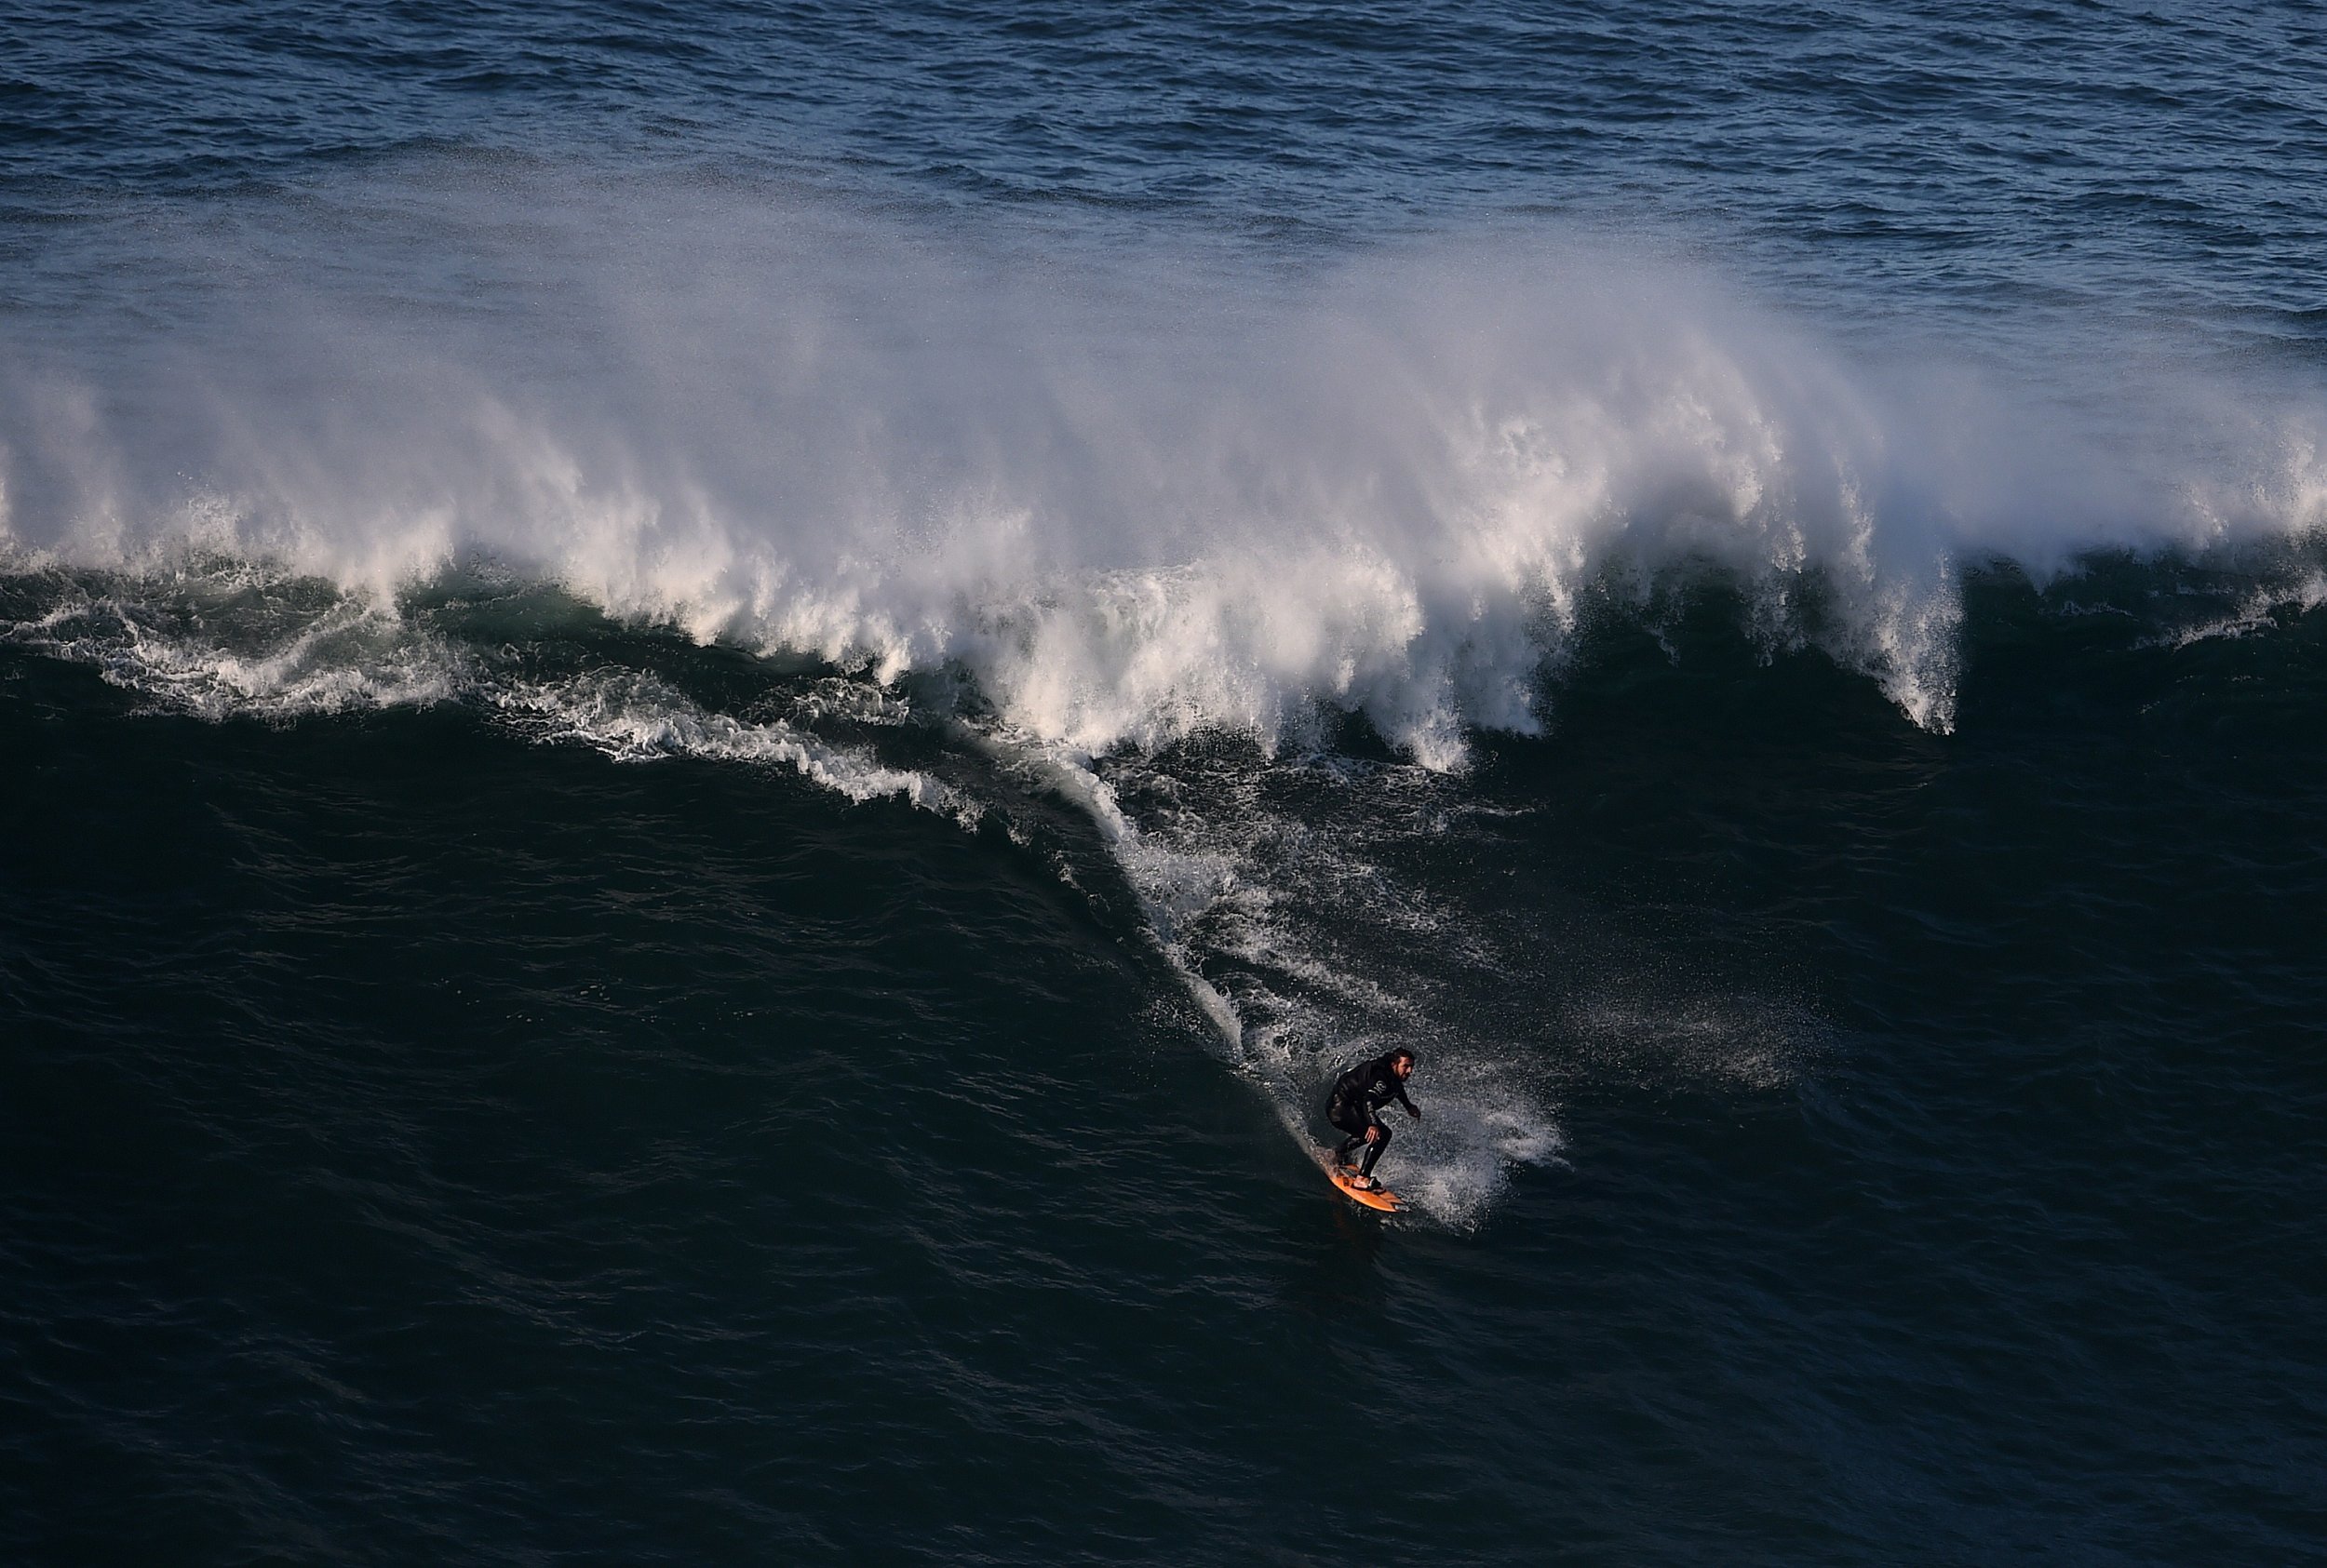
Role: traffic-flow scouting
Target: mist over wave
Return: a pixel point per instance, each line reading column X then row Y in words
column 1135, row 492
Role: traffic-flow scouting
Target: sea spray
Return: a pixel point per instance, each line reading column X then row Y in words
column 1134, row 499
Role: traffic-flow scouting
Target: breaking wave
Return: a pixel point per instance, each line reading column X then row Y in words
column 1134, row 528
column 1135, row 497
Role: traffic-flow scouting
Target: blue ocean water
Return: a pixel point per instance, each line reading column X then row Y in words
column 715, row 716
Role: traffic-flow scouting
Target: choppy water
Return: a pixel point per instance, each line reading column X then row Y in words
column 713, row 717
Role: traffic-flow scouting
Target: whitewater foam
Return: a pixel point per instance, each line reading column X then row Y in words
column 243, row 644
column 633, row 717
column 1135, row 497
column 355, row 654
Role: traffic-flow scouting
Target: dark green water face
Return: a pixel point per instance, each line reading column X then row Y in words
column 426, row 1145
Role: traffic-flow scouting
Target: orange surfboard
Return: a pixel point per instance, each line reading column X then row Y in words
column 1386, row 1200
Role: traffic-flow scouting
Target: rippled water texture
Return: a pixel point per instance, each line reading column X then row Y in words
column 713, row 719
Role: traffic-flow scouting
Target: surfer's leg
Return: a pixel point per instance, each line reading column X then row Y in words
column 1353, row 1124
column 1373, row 1151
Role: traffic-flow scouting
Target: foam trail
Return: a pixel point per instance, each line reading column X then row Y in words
column 1321, row 946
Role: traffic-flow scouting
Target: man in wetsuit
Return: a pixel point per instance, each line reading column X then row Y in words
column 1357, row 1094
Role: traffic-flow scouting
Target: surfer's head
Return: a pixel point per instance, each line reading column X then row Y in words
column 1402, row 1062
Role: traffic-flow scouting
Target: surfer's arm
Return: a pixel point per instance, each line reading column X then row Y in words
column 1411, row 1108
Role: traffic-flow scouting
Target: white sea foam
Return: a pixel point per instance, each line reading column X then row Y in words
column 633, row 717
column 1133, row 497
column 353, row 652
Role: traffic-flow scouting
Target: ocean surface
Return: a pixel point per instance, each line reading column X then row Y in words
column 713, row 717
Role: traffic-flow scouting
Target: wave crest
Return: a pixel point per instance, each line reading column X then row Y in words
column 1134, row 496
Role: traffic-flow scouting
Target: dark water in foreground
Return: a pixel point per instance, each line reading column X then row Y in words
column 427, row 1146
column 711, row 721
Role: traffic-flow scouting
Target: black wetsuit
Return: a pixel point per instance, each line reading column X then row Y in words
column 1357, row 1094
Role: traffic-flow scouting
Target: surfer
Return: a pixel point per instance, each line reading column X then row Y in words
column 1357, row 1094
